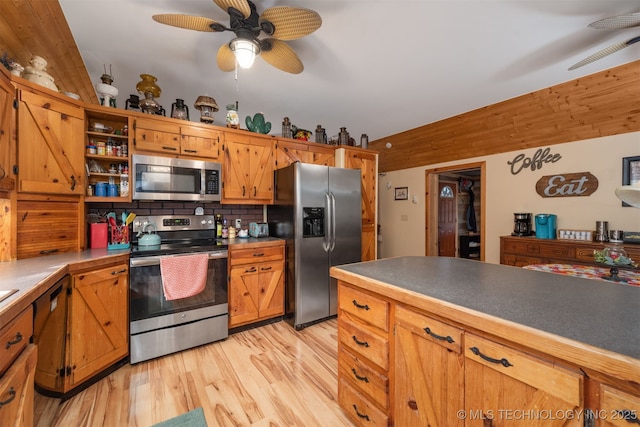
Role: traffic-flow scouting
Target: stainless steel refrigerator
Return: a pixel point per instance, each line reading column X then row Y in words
column 317, row 210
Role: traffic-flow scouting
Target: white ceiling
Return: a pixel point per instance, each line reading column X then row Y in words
column 375, row 66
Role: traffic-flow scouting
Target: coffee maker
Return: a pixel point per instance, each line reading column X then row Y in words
column 522, row 224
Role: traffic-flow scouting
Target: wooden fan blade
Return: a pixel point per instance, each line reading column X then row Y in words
column 627, row 20
column 197, row 23
column 241, row 5
column 282, row 57
column 291, row 22
column 226, row 59
column 605, row 52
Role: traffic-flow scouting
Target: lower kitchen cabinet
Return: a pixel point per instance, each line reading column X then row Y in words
column 81, row 327
column 617, row 408
column 17, row 367
column 363, row 357
column 256, row 283
column 429, row 374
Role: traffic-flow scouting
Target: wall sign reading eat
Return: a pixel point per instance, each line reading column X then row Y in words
column 567, row 185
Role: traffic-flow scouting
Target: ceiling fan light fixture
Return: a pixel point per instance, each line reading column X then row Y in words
column 245, row 51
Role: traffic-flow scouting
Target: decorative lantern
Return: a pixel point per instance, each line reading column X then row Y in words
column 207, row 106
column 179, row 110
column 148, row 87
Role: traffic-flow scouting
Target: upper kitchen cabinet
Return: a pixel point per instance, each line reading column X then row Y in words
column 176, row 137
column 50, row 142
column 7, row 120
column 247, row 169
column 288, row 151
column 367, row 162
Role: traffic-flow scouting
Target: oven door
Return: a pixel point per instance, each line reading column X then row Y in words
column 148, row 307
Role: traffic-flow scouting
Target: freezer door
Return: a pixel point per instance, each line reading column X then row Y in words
column 344, row 188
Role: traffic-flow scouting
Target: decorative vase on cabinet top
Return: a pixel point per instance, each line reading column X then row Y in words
column 36, row 73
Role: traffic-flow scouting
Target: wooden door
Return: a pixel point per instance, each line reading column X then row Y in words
column 288, row 152
column 201, row 142
column 235, row 176
column 322, row 155
column 505, row 387
column 429, row 376
column 98, row 321
column 243, row 294
column 447, row 219
column 156, row 135
column 16, row 390
column 271, row 289
column 261, row 171
column 50, row 148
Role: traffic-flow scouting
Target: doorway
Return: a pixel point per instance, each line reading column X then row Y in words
column 434, row 203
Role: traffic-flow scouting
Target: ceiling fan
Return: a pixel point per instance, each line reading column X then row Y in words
column 628, row 20
column 280, row 23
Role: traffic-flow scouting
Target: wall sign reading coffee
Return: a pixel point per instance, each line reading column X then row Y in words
column 539, row 158
column 567, row 185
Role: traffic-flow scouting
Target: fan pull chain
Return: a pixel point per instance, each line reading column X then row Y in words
column 236, row 78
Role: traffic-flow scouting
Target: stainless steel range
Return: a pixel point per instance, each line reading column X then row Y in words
column 159, row 326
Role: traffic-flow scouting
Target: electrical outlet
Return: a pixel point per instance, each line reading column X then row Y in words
column 238, row 223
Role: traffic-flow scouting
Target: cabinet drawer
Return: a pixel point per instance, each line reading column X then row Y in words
column 366, row 379
column 364, row 342
column 248, row 255
column 156, row 125
column 539, row 248
column 16, row 390
column 14, row 337
column 585, row 254
column 370, row 309
column 361, row 411
column 438, row 332
column 552, row 379
column 519, row 261
column 618, row 407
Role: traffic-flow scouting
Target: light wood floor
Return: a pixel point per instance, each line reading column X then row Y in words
column 268, row 376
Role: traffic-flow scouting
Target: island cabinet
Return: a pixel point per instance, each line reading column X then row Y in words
column 363, row 356
column 247, row 169
column 521, row 251
column 367, row 162
column 17, row 369
column 81, row 327
column 288, row 151
column 176, row 137
column 617, row 408
column 256, row 282
column 50, row 143
column 429, row 373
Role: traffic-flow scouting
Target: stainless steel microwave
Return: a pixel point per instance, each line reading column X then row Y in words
column 168, row 178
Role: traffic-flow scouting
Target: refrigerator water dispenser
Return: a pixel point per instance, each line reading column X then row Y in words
column 312, row 222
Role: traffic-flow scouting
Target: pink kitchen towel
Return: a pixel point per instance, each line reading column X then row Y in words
column 183, row 276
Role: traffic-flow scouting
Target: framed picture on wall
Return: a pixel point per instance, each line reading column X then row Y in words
column 402, row 193
column 630, row 172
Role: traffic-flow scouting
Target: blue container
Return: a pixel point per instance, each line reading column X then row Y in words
column 546, row 226
column 101, row 189
column 113, row 190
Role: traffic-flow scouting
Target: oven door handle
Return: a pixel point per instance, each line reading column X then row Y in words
column 155, row 260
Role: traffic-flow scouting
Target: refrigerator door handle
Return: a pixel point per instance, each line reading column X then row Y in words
column 326, row 243
column 332, row 226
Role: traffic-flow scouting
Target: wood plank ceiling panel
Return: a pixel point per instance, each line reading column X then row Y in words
column 38, row 27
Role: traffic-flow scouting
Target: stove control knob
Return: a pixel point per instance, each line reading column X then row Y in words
column 209, row 222
column 203, row 222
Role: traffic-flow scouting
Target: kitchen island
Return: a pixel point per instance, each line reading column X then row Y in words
column 446, row 341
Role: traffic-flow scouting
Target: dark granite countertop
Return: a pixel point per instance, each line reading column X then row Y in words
column 598, row 313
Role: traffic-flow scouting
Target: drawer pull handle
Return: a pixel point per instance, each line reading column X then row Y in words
column 16, row 341
column 629, row 416
column 251, row 270
column 124, row 270
column 358, row 377
column 164, row 147
column 413, row 405
column 364, row 416
column 265, row 268
column 439, row 337
column 366, row 307
column 360, row 343
column 12, row 395
column 504, row 362
column 259, row 254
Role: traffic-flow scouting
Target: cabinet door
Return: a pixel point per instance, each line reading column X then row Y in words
column 618, row 409
column 98, row 321
column 504, row 384
column 50, row 146
column 243, row 294
column 322, row 155
column 156, row 135
column 7, row 127
column 429, row 376
column 271, row 289
column 288, row 152
column 200, row 142
column 16, row 391
column 248, row 170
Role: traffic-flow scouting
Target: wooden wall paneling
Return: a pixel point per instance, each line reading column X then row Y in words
column 601, row 104
column 38, row 27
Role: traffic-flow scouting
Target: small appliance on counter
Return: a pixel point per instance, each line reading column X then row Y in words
column 522, row 224
column 602, row 231
column 546, row 226
column 258, row 229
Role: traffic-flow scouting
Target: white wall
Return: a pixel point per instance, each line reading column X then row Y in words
column 403, row 222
